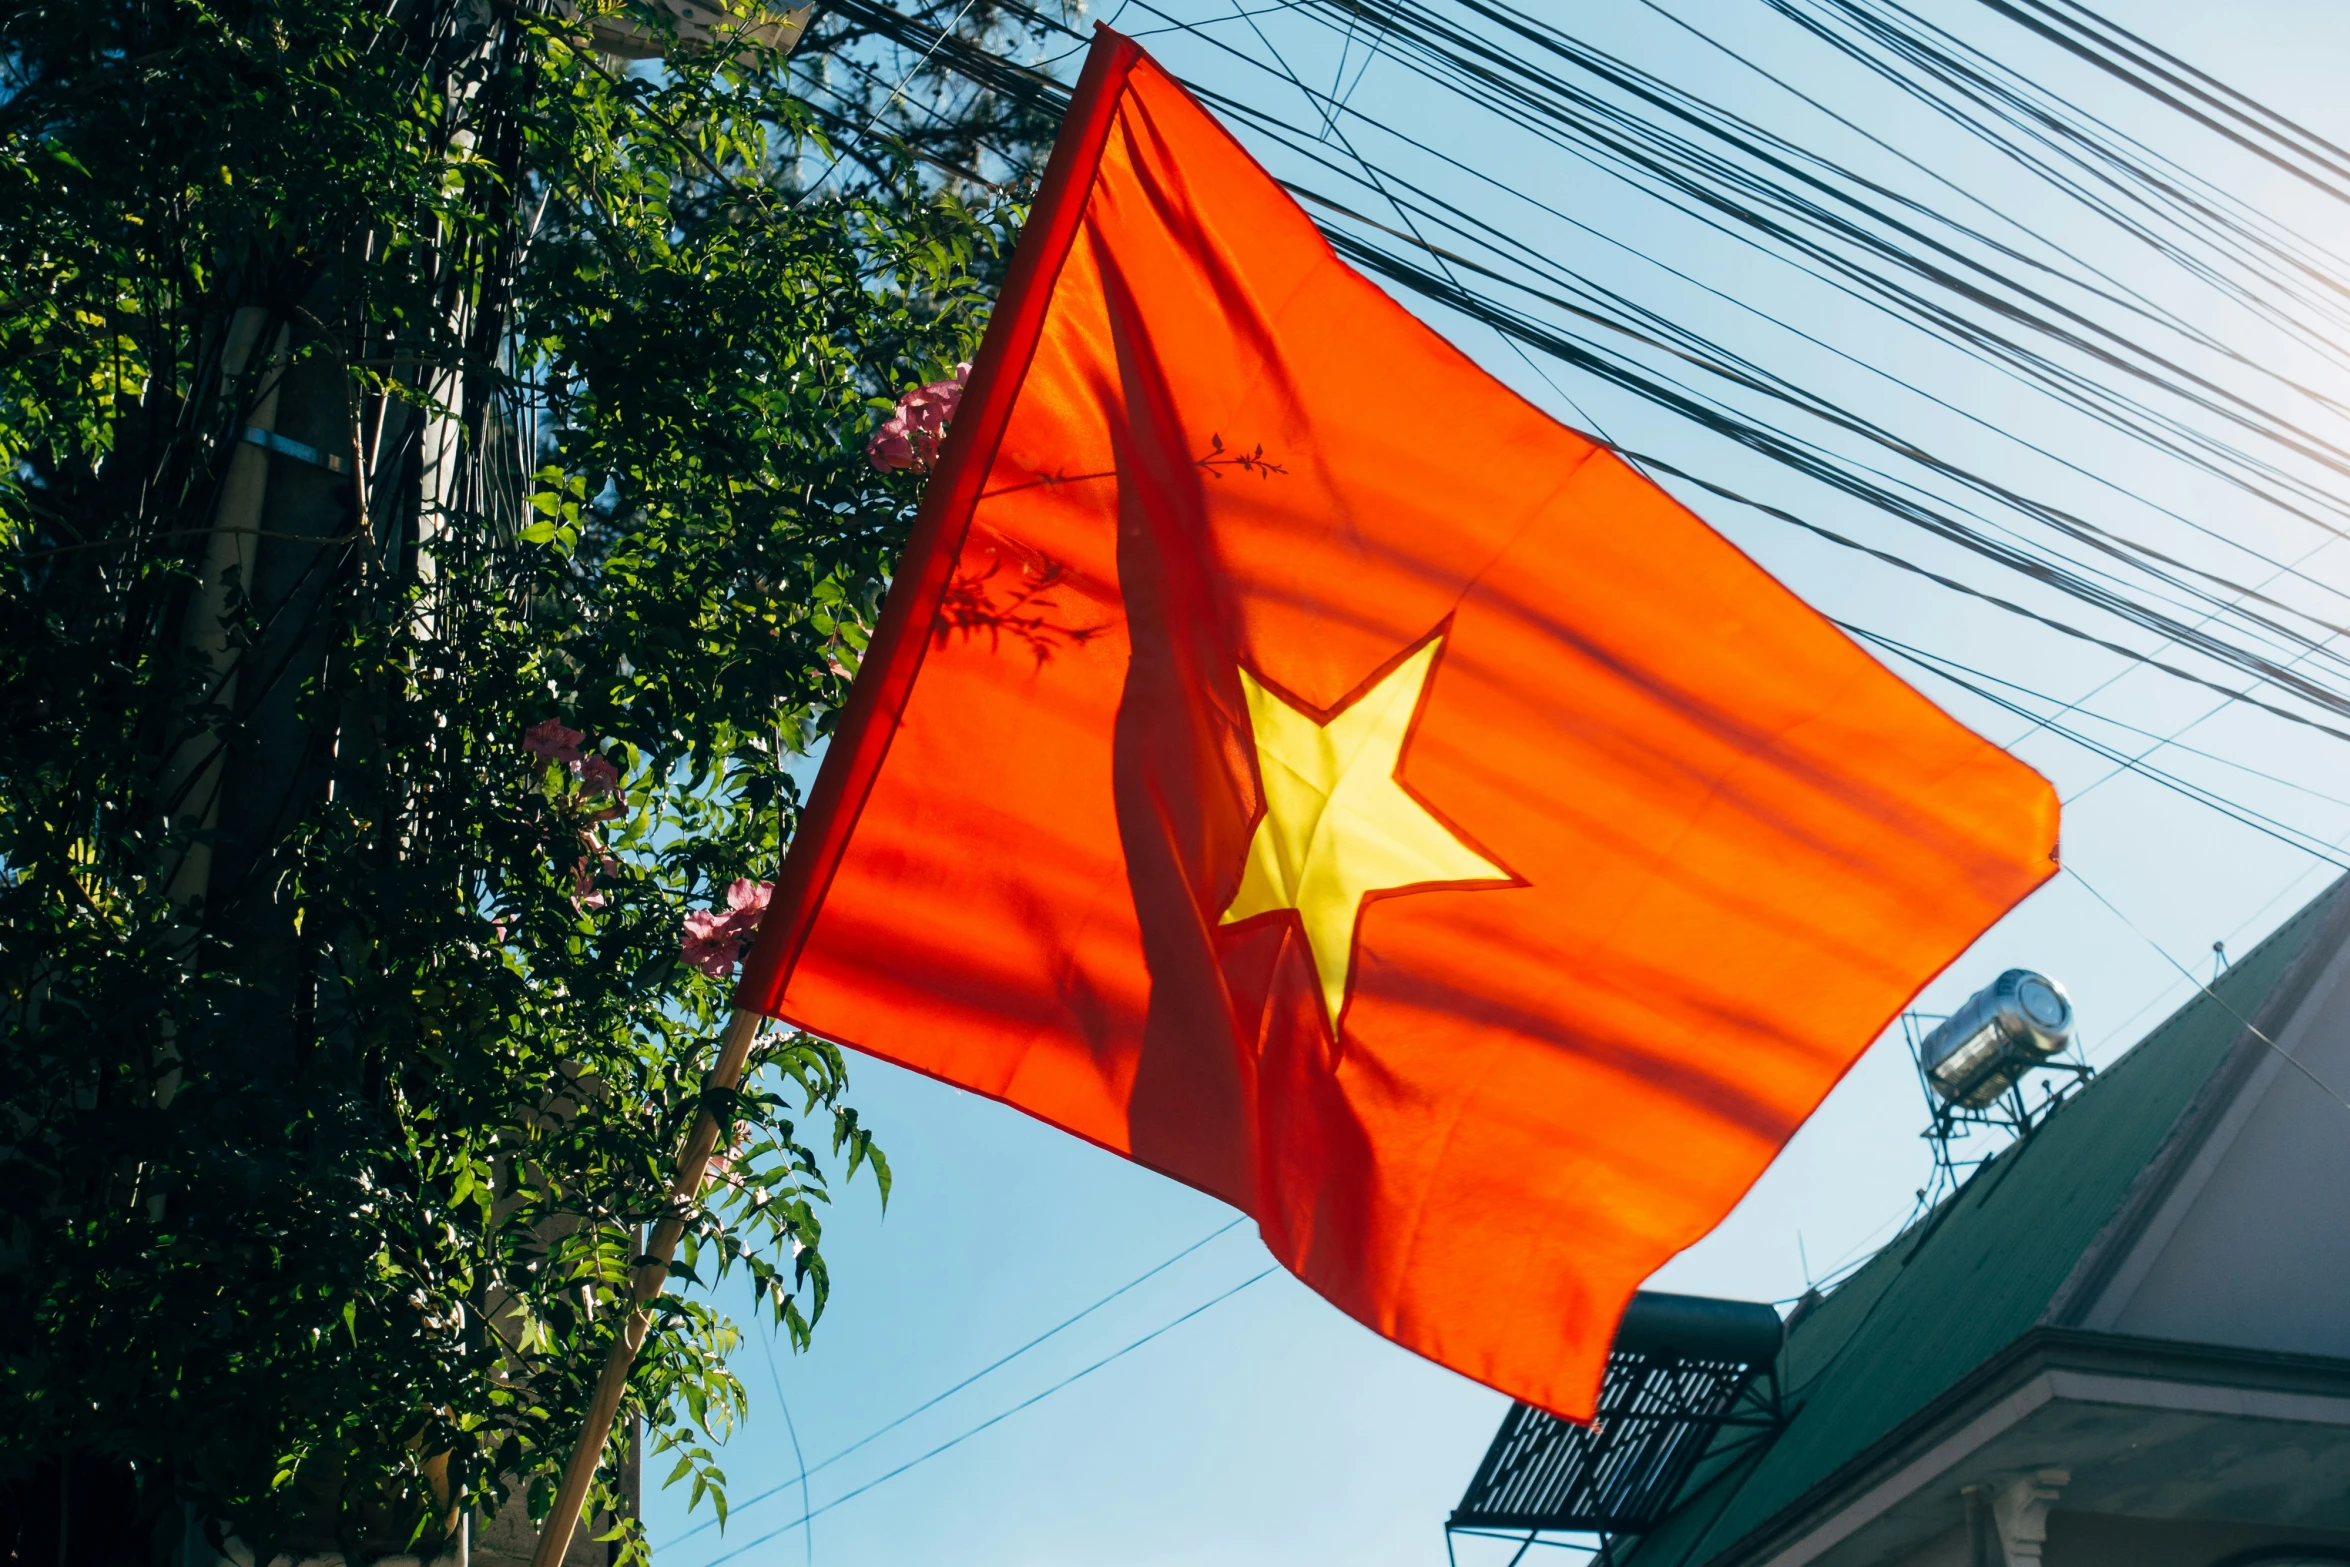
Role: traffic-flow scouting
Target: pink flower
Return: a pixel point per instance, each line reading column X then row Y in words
column 583, row 879
column 909, row 439
column 597, row 776
column 746, row 900
column 549, row 741
column 714, row 939
column 706, row 948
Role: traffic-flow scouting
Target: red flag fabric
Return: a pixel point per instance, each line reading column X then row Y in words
column 1292, row 761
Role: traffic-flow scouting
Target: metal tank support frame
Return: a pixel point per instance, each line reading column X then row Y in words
column 1952, row 1118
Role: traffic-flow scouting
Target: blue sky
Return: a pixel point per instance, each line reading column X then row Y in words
column 1268, row 1428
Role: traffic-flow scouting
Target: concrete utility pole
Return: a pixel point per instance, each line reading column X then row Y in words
column 310, row 493
column 325, row 479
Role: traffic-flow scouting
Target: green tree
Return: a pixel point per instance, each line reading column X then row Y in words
column 433, row 510
column 952, row 83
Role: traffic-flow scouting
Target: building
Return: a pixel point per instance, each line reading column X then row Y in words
column 2123, row 1342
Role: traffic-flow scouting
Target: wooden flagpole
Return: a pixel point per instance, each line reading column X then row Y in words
column 734, row 1049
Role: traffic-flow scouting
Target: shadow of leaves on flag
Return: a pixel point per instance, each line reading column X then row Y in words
column 1025, row 613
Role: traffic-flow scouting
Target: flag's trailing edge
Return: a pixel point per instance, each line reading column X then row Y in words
column 1292, row 761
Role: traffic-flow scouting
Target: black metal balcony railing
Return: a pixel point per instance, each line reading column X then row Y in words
column 1683, row 1371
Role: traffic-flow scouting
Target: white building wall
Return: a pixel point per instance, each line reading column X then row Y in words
column 2252, row 1246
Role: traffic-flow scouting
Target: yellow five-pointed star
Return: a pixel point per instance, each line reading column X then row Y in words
column 1337, row 824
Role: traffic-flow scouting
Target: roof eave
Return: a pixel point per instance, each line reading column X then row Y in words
column 1945, row 1430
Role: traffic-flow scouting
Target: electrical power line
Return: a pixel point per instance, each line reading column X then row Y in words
column 2188, row 974
column 1967, row 680
column 2230, row 611
column 939, row 1398
column 791, row 1428
column 993, row 1420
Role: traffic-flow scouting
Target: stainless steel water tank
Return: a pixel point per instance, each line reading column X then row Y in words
column 2004, row 1030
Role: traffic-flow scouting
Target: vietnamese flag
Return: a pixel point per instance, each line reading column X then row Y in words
column 1290, row 760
